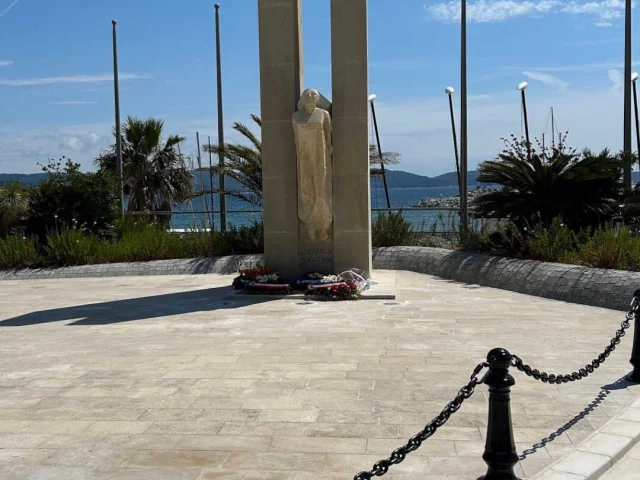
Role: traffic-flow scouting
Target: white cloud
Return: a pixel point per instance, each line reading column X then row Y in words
column 617, row 79
column 107, row 77
column 5, row 63
column 485, row 11
column 603, row 24
column 482, row 11
column 547, row 79
column 73, row 102
column 6, row 10
column 81, row 142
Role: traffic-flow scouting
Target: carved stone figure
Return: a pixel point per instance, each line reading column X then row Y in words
column 312, row 130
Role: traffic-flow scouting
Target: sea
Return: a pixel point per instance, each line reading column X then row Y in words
column 400, row 198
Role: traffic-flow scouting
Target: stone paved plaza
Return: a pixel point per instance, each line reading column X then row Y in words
column 171, row 378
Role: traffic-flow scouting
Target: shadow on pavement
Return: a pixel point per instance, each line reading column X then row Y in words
column 132, row 309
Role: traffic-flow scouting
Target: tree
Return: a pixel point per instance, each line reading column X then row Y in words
column 584, row 189
column 388, row 158
column 68, row 198
column 242, row 163
column 14, row 206
column 153, row 172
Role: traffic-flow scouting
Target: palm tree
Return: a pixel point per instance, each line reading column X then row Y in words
column 584, row 189
column 153, row 172
column 388, row 158
column 244, row 163
column 14, row 205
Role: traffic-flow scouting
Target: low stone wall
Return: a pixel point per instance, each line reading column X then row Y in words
column 197, row 266
column 588, row 286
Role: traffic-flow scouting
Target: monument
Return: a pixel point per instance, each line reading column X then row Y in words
column 317, row 207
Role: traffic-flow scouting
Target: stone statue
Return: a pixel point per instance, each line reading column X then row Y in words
column 312, row 130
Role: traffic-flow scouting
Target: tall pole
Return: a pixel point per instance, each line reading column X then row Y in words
column 526, row 123
column 116, row 92
column 223, row 195
column 449, row 92
column 384, row 175
column 203, row 195
column 627, row 93
column 464, row 214
column 213, row 202
column 553, row 130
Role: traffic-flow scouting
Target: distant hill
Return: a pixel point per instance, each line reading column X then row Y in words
column 24, row 178
column 395, row 179
column 400, row 179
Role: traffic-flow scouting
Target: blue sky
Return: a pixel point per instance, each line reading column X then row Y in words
column 56, row 90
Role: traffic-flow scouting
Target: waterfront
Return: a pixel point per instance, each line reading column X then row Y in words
column 401, row 198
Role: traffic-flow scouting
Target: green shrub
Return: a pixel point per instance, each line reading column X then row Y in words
column 71, row 247
column 70, row 199
column 388, row 230
column 18, row 252
column 611, row 248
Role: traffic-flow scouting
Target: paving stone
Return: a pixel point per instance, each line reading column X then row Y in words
column 149, row 377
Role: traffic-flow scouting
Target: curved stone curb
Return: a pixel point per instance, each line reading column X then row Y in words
column 600, row 451
column 196, row 266
column 570, row 283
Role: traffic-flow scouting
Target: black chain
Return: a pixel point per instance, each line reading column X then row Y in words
column 399, row 454
column 589, row 368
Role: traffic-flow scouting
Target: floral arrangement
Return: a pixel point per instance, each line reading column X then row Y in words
column 345, row 286
column 261, row 280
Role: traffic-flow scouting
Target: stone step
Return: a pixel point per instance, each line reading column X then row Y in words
column 628, row 468
column 611, row 452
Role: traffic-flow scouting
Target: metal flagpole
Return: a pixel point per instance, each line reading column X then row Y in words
column 203, row 195
column 372, row 98
column 627, row 149
column 116, row 91
column 449, row 91
column 213, row 201
column 464, row 214
column 223, row 195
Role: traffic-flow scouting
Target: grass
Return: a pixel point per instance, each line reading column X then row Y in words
column 130, row 242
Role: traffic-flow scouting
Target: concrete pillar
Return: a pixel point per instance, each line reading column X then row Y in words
column 280, row 88
column 351, row 186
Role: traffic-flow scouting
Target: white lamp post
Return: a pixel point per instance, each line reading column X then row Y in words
column 372, row 99
column 634, row 80
column 522, row 87
column 450, row 91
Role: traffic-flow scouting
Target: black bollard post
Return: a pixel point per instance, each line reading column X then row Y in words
column 500, row 450
column 634, row 376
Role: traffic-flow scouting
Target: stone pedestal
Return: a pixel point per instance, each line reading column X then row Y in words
column 351, row 185
column 280, row 86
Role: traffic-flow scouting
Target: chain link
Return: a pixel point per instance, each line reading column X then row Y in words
column 551, row 378
column 399, row 454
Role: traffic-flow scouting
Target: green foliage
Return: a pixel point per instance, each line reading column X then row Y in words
column 14, row 206
column 388, row 230
column 603, row 247
column 582, row 188
column 18, row 252
column 132, row 241
column 71, row 247
column 242, row 163
column 69, row 198
column 154, row 172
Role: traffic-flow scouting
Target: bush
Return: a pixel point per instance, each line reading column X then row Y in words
column 391, row 229
column 605, row 247
column 69, row 198
column 18, row 252
column 71, row 247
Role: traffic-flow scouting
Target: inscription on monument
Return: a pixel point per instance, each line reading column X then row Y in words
column 316, row 256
